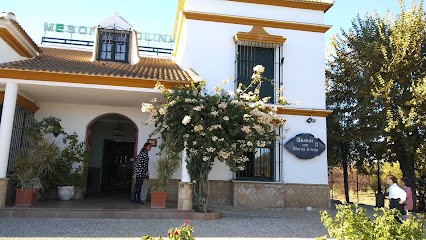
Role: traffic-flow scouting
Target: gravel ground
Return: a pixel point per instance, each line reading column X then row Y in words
column 290, row 225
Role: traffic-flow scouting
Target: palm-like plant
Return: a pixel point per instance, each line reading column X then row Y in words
column 34, row 162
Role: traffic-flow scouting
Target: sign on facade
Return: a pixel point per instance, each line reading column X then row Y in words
column 305, row 146
column 84, row 30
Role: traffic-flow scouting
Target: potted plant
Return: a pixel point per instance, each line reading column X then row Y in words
column 33, row 163
column 166, row 166
column 70, row 174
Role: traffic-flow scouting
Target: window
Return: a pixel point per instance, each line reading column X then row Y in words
column 260, row 166
column 250, row 56
column 113, row 45
column 23, row 118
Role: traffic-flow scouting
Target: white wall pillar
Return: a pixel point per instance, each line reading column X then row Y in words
column 6, row 125
column 185, row 175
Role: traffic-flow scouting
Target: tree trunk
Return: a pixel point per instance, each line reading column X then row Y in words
column 407, row 168
column 345, row 177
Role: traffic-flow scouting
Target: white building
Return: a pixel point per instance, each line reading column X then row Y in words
column 98, row 93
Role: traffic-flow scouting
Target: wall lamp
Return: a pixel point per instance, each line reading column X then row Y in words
column 311, row 120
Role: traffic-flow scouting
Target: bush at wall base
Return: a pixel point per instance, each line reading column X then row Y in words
column 351, row 222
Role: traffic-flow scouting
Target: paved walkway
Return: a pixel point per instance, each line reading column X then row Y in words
column 235, row 224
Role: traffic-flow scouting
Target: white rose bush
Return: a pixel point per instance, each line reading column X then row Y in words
column 220, row 126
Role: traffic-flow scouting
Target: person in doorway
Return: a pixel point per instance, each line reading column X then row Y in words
column 140, row 171
column 406, row 186
column 397, row 196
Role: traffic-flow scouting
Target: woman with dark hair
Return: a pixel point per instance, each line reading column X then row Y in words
column 406, row 186
column 140, row 171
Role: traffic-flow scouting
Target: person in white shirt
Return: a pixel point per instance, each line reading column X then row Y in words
column 397, row 196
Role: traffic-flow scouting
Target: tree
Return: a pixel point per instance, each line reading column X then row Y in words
column 222, row 126
column 354, row 126
column 376, row 79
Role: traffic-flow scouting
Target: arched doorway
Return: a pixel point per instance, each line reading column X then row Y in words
column 111, row 141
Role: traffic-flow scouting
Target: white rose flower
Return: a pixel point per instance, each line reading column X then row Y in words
column 198, row 128
column 246, row 129
column 214, row 138
column 162, row 111
column 223, row 105
column 247, row 116
column 147, row 107
column 186, row 120
column 226, row 118
column 259, row 68
column 211, row 149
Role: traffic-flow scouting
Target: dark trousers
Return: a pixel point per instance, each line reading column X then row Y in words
column 136, row 197
column 394, row 203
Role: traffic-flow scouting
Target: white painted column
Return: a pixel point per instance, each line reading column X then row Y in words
column 185, row 173
column 6, row 125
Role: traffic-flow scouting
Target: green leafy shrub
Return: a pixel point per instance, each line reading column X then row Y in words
column 351, row 222
column 183, row 232
column 65, row 174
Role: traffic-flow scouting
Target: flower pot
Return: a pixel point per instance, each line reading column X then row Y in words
column 25, row 197
column 78, row 193
column 66, row 192
column 158, row 199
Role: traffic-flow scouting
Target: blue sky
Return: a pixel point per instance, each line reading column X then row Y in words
column 153, row 16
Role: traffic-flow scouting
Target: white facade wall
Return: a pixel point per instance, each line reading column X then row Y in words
column 212, row 56
column 305, row 171
column 209, row 49
column 76, row 117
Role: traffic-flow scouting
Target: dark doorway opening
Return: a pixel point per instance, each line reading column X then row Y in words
column 116, row 165
column 111, row 141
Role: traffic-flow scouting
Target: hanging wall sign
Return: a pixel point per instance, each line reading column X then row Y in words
column 305, row 146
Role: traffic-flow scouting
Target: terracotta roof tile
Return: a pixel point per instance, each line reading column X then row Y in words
column 78, row 62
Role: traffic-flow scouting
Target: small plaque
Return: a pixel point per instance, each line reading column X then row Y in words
column 305, row 146
column 153, row 142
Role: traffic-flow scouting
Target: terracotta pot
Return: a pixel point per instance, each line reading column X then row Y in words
column 158, row 199
column 25, row 197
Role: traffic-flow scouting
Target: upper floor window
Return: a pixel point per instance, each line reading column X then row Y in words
column 113, row 45
column 247, row 57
